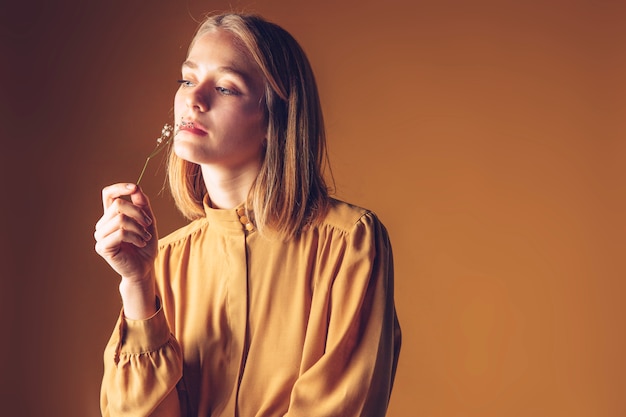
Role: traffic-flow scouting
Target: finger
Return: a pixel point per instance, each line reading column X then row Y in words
column 139, row 213
column 121, row 206
column 139, row 198
column 115, row 191
column 111, row 245
column 121, row 222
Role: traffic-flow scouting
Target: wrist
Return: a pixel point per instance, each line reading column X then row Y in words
column 138, row 298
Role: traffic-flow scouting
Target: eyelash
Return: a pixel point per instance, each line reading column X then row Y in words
column 222, row 90
column 226, row 91
column 184, row 83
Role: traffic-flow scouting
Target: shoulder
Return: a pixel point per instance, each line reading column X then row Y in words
column 351, row 238
column 183, row 234
column 346, row 217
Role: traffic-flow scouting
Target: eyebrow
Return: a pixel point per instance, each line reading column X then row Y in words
column 224, row 69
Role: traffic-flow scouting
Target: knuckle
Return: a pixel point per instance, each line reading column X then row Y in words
column 121, row 219
column 124, row 234
column 116, row 204
column 106, row 191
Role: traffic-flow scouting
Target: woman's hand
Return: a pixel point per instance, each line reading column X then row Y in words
column 126, row 232
column 126, row 237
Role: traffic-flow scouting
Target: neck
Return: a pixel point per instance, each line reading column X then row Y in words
column 228, row 189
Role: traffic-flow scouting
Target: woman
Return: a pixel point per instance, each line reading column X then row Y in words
column 275, row 299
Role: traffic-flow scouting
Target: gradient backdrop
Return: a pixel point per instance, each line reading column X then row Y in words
column 488, row 136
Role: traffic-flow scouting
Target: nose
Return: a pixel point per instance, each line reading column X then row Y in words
column 197, row 100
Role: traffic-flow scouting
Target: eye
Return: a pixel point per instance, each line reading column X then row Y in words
column 226, row 92
column 185, row 83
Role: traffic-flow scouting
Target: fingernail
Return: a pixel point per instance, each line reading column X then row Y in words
column 147, row 236
column 148, row 220
column 130, row 186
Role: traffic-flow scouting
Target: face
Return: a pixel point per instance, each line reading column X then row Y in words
column 219, row 105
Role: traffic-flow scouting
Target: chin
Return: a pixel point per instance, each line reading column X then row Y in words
column 193, row 153
column 186, row 152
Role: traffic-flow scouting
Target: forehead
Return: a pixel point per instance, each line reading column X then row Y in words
column 220, row 48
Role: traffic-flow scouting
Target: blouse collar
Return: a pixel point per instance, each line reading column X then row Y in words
column 236, row 219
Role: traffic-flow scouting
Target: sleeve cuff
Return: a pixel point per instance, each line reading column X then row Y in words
column 147, row 335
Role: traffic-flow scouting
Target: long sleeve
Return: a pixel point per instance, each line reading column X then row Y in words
column 142, row 365
column 260, row 327
column 354, row 374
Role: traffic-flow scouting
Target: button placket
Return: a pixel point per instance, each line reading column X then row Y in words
column 243, row 218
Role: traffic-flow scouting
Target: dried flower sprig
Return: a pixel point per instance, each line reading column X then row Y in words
column 167, row 134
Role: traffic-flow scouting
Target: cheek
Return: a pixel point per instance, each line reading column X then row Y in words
column 256, row 119
column 178, row 104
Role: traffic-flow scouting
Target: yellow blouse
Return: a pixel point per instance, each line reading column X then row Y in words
column 254, row 326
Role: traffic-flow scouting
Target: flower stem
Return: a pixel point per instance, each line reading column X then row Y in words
column 165, row 139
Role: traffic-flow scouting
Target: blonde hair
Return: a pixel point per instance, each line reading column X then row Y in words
column 290, row 191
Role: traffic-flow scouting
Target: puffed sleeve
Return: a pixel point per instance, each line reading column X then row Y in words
column 352, row 373
column 142, row 365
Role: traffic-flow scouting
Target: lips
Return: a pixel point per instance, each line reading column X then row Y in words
column 192, row 126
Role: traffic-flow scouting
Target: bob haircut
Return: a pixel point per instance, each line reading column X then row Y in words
column 289, row 193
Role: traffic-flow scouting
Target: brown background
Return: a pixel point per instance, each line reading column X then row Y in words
column 488, row 136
